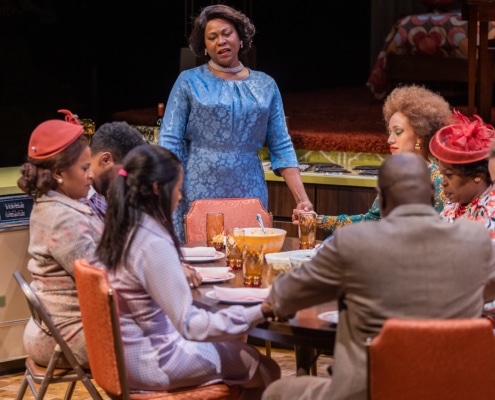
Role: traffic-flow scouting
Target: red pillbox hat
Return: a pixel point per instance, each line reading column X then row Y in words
column 465, row 142
column 53, row 136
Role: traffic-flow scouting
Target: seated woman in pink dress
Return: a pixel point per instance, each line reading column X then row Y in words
column 169, row 343
column 61, row 228
column 462, row 151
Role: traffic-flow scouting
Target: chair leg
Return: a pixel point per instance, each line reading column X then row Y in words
column 70, row 390
column 91, row 388
column 268, row 348
column 57, row 352
column 23, row 387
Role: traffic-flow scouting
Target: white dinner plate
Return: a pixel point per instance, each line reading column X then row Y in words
column 211, row 295
column 229, row 276
column 330, row 316
column 218, row 255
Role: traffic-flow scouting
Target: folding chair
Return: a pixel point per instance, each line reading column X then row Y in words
column 100, row 317
column 238, row 213
column 44, row 376
column 432, row 359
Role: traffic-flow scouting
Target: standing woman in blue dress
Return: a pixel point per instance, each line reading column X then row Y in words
column 220, row 114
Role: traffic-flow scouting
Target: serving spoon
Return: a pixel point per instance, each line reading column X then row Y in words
column 260, row 221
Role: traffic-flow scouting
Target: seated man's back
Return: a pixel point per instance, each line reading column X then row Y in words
column 411, row 264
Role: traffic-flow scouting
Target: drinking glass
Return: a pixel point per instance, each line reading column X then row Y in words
column 214, row 230
column 252, row 264
column 234, row 246
column 307, row 230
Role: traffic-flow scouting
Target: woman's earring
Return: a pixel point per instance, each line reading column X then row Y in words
column 206, row 52
column 477, row 179
column 417, row 146
column 60, row 181
column 242, row 45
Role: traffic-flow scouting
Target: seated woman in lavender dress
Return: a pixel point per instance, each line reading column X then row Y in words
column 168, row 342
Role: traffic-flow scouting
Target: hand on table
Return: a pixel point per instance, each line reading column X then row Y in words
column 193, row 277
column 266, row 308
column 269, row 314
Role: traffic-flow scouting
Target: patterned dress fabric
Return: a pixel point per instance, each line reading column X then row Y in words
column 61, row 230
column 164, row 335
column 216, row 127
column 330, row 223
column 483, row 211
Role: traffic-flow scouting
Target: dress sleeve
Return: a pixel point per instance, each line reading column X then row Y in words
column 279, row 142
column 162, row 277
column 175, row 119
column 320, row 280
column 330, row 223
column 73, row 237
column 440, row 199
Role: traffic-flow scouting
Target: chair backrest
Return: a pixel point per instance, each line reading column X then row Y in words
column 100, row 316
column 99, row 312
column 432, row 359
column 238, row 213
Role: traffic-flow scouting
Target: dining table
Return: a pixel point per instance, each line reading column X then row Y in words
column 308, row 332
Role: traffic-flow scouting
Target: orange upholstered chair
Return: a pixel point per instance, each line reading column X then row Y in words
column 238, row 213
column 99, row 311
column 433, row 359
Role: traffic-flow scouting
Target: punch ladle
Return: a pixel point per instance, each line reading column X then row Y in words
column 260, row 221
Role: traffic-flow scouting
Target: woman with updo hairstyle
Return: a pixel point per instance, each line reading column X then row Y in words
column 61, row 228
column 462, row 150
column 412, row 115
column 168, row 342
column 242, row 24
column 220, row 114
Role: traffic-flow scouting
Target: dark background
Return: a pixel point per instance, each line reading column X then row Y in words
column 98, row 57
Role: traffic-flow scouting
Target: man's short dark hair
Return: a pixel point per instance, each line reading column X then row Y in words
column 117, row 138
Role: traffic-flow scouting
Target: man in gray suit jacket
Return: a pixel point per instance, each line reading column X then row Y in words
column 410, row 264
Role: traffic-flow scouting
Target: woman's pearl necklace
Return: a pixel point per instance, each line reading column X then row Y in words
column 233, row 70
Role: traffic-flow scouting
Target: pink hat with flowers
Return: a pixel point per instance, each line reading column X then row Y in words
column 53, row 136
column 464, row 142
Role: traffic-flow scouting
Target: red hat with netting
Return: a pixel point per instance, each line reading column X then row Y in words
column 464, row 142
column 53, row 136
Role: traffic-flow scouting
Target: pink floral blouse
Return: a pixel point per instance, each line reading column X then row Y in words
column 483, row 211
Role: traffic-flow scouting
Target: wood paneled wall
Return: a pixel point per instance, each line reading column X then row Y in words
column 326, row 199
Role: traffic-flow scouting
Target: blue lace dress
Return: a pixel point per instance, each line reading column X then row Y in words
column 216, row 127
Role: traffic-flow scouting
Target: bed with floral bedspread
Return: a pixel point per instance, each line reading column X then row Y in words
column 435, row 35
